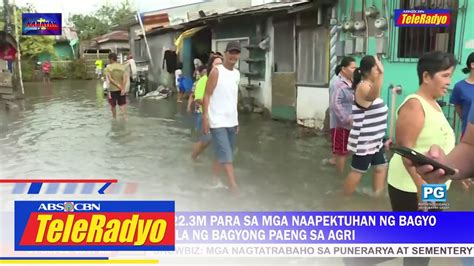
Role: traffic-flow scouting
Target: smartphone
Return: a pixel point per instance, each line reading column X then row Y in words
column 420, row 159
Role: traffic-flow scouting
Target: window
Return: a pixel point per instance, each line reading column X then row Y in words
column 313, row 56
column 413, row 42
column 241, row 65
column 284, row 50
column 139, row 46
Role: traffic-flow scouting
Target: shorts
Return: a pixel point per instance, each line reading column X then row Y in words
column 202, row 137
column 46, row 74
column 223, row 139
column 402, row 200
column 184, row 90
column 116, row 98
column 362, row 163
column 339, row 138
column 98, row 71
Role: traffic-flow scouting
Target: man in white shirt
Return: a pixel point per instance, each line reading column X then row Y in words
column 132, row 68
column 220, row 115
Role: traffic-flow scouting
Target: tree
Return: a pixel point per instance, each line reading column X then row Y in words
column 33, row 46
column 99, row 23
column 89, row 27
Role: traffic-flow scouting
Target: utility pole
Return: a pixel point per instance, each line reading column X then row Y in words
column 18, row 53
column 7, row 15
column 11, row 29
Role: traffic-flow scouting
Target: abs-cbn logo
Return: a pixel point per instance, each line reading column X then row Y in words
column 69, row 206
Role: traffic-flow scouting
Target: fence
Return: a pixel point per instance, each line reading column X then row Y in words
column 60, row 69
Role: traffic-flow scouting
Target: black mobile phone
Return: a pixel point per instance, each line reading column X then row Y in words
column 420, row 159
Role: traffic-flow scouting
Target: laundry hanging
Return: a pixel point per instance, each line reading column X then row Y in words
column 170, row 61
column 186, row 34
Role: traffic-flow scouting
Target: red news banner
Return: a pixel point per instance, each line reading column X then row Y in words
column 94, row 225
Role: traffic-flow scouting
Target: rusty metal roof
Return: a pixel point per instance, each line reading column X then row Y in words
column 112, row 36
column 270, row 7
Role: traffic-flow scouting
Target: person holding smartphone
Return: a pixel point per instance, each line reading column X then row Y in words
column 420, row 124
column 461, row 158
column 369, row 123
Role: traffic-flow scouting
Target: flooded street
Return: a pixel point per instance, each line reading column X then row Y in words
column 65, row 130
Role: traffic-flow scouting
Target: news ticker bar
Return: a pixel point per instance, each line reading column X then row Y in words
column 319, row 250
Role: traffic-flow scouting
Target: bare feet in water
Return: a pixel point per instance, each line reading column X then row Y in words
column 331, row 161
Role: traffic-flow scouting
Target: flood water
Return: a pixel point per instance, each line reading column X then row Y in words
column 65, row 129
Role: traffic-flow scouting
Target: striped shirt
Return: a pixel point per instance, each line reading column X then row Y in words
column 368, row 128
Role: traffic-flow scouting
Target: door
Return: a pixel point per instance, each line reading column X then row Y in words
column 284, row 75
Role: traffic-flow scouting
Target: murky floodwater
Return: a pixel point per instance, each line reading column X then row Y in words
column 65, row 130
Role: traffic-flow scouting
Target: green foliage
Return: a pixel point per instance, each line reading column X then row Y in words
column 27, row 70
column 89, row 27
column 77, row 69
column 59, row 71
column 99, row 23
column 32, row 46
column 2, row 18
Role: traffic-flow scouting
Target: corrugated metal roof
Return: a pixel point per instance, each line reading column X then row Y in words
column 270, row 7
column 112, row 36
column 259, row 8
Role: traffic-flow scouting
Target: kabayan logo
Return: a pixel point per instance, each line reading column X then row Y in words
column 422, row 18
column 41, row 24
column 433, row 193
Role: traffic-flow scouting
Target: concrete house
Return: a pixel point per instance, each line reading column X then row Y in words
column 291, row 48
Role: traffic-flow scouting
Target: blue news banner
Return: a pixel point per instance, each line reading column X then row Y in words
column 325, row 228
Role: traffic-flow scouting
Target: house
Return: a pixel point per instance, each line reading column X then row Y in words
column 401, row 47
column 292, row 48
column 65, row 47
column 284, row 50
column 8, row 50
column 115, row 41
column 162, row 27
column 99, row 48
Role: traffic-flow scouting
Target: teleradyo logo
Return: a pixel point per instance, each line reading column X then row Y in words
column 69, row 206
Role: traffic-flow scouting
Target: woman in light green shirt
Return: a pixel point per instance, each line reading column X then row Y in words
column 420, row 124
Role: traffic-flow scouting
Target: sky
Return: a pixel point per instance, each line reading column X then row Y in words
column 68, row 7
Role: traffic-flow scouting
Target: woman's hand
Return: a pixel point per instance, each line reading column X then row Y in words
column 379, row 64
